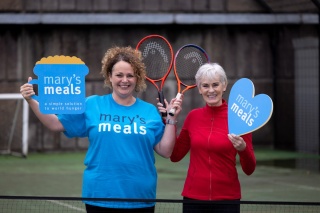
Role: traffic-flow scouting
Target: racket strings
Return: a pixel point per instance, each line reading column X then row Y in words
column 157, row 58
column 188, row 61
column 152, row 47
column 195, row 57
column 186, row 77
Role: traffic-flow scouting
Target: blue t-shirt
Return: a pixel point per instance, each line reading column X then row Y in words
column 120, row 158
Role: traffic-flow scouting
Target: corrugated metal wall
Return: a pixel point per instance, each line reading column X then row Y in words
column 239, row 35
column 307, row 95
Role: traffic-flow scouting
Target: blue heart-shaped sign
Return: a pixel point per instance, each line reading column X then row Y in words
column 246, row 112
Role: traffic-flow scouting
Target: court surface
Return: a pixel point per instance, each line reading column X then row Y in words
column 279, row 176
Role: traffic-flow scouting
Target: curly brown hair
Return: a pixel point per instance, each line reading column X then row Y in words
column 129, row 55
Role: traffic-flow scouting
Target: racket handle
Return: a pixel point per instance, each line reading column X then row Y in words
column 161, row 99
column 173, row 110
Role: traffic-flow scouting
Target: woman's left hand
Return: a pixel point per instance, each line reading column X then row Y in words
column 162, row 108
column 238, row 143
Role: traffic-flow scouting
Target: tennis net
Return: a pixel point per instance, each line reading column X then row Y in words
column 32, row 204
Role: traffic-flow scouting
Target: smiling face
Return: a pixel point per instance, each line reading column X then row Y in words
column 212, row 83
column 124, row 54
column 123, row 80
column 212, row 90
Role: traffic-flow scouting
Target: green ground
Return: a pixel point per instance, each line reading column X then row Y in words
column 60, row 174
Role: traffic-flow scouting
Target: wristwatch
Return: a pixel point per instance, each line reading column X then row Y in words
column 172, row 122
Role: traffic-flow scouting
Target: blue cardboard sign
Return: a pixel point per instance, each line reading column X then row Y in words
column 246, row 112
column 61, row 85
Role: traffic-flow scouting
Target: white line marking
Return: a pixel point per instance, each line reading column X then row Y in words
column 67, row 205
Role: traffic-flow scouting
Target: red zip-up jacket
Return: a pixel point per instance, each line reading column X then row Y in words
column 212, row 173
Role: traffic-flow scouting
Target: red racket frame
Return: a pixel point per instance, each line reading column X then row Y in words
column 155, row 82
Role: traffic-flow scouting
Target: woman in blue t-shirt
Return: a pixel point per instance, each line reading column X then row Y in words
column 123, row 132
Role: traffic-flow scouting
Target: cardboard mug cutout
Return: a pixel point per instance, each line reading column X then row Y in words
column 246, row 112
column 61, row 85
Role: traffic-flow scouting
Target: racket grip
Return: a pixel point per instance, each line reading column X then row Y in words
column 172, row 111
column 161, row 99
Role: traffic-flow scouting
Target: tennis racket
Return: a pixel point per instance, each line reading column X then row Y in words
column 157, row 55
column 187, row 61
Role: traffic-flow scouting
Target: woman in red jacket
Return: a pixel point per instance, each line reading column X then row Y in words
column 212, row 173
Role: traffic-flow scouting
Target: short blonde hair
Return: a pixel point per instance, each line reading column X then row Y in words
column 129, row 55
column 209, row 71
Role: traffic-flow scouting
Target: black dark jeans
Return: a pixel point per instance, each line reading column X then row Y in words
column 97, row 209
column 220, row 207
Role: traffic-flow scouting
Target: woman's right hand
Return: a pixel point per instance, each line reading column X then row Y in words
column 51, row 121
column 26, row 90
